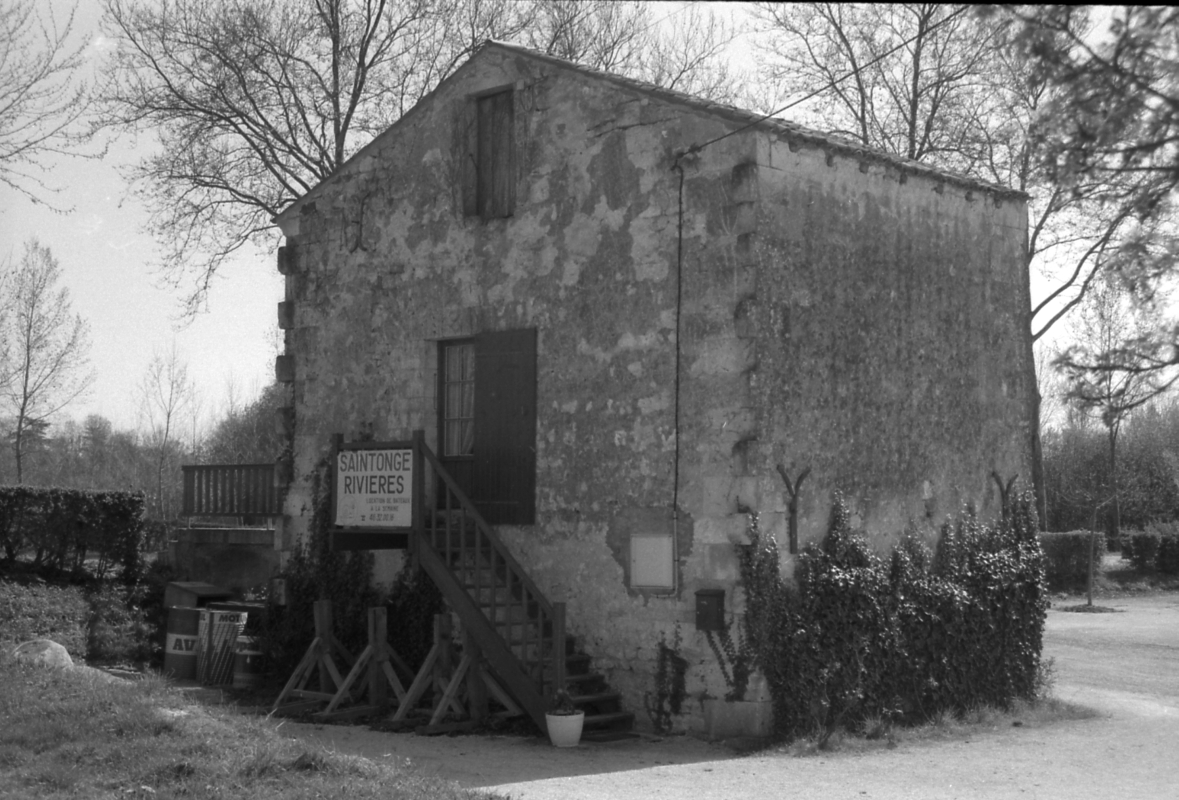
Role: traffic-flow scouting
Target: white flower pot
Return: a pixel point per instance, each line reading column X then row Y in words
column 565, row 729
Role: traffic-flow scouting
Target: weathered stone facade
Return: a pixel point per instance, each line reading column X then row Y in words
column 713, row 296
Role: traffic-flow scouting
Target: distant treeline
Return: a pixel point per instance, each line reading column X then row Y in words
column 1078, row 478
column 93, row 455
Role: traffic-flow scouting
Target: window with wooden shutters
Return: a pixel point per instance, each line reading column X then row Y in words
column 488, row 444
column 489, row 186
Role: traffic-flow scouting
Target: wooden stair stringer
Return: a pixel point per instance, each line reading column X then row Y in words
column 499, row 657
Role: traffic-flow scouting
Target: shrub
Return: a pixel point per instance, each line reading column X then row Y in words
column 1166, row 558
column 66, row 527
column 413, row 602
column 1066, row 557
column 117, row 628
column 861, row 638
column 316, row 572
column 1144, row 548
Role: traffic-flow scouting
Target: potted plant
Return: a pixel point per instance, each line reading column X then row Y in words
column 564, row 720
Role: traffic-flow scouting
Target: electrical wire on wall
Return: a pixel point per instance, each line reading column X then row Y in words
column 679, row 301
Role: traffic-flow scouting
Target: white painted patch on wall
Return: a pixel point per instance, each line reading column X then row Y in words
column 652, row 561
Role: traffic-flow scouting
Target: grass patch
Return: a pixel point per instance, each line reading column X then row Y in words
column 42, row 611
column 76, row 733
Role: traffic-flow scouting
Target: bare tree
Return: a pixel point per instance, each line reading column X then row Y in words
column 256, row 101
column 43, row 102
column 1107, row 318
column 246, row 432
column 167, row 395
column 691, row 57
column 1109, row 132
column 682, row 51
column 905, row 78
column 48, row 348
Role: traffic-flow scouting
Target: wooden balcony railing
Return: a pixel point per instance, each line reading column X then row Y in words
column 230, row 490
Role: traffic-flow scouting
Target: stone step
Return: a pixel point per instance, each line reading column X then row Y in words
column 615, row 720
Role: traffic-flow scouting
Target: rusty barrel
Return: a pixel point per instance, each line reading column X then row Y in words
column 180, row 648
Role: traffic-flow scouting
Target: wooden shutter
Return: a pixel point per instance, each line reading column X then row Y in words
column 469, row 153
column 504, row 472
column 497, row 185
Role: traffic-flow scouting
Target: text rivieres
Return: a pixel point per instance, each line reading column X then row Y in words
column 374, row 484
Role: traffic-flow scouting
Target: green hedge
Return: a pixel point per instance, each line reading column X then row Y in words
column 1156, row 548
column 65, row 528
column 1144, row 549
column 1066, row 557
column 898, row 639
column 1167, row 560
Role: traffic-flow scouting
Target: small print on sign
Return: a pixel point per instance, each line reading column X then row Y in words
column 374, row 488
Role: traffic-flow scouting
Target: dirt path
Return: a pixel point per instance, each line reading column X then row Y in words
column 1126, row 665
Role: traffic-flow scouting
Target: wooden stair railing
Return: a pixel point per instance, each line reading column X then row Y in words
column 520, row 632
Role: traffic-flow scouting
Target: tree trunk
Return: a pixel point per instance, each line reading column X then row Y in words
column 1038, row 460
column 1115, row 521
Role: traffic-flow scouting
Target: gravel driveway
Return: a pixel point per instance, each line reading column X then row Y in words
column 1125, row 665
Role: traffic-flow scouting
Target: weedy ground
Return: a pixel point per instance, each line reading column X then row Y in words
column 78, row 733
column 878, row 734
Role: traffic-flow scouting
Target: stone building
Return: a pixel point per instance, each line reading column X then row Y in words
column 641, row 305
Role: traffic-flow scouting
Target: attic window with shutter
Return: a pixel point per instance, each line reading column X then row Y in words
column 489, row 186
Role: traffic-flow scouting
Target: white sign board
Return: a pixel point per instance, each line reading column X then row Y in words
column 374, row 488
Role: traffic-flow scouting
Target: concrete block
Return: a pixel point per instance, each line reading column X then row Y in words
column 725, row 719
column 720, row 530
column 717, row 499
column 723, row 564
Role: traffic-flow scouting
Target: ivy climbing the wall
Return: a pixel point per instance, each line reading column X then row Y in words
column 671, row 669
column 859, row 637
column 735, row 659
column 317, row 572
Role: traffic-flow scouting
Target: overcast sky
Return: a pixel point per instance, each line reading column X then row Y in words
column 106, row 262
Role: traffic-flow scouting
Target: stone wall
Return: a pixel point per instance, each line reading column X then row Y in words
column 831, row 314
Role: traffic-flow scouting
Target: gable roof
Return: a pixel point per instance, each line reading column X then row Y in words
column 786, row 130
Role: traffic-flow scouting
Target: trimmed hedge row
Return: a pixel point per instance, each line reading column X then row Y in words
column 66, row 527
column 1157, row 548
column 1066, row 557
column 899, row 640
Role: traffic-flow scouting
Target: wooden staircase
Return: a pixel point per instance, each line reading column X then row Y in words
column 522, row 635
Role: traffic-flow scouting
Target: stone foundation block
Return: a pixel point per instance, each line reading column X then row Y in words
column 725, row 719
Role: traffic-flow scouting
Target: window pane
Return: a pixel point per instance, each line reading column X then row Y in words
column 454, row 363
column 468, row 404
column 454, row 400
column 468, row 442
column 453, row 438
